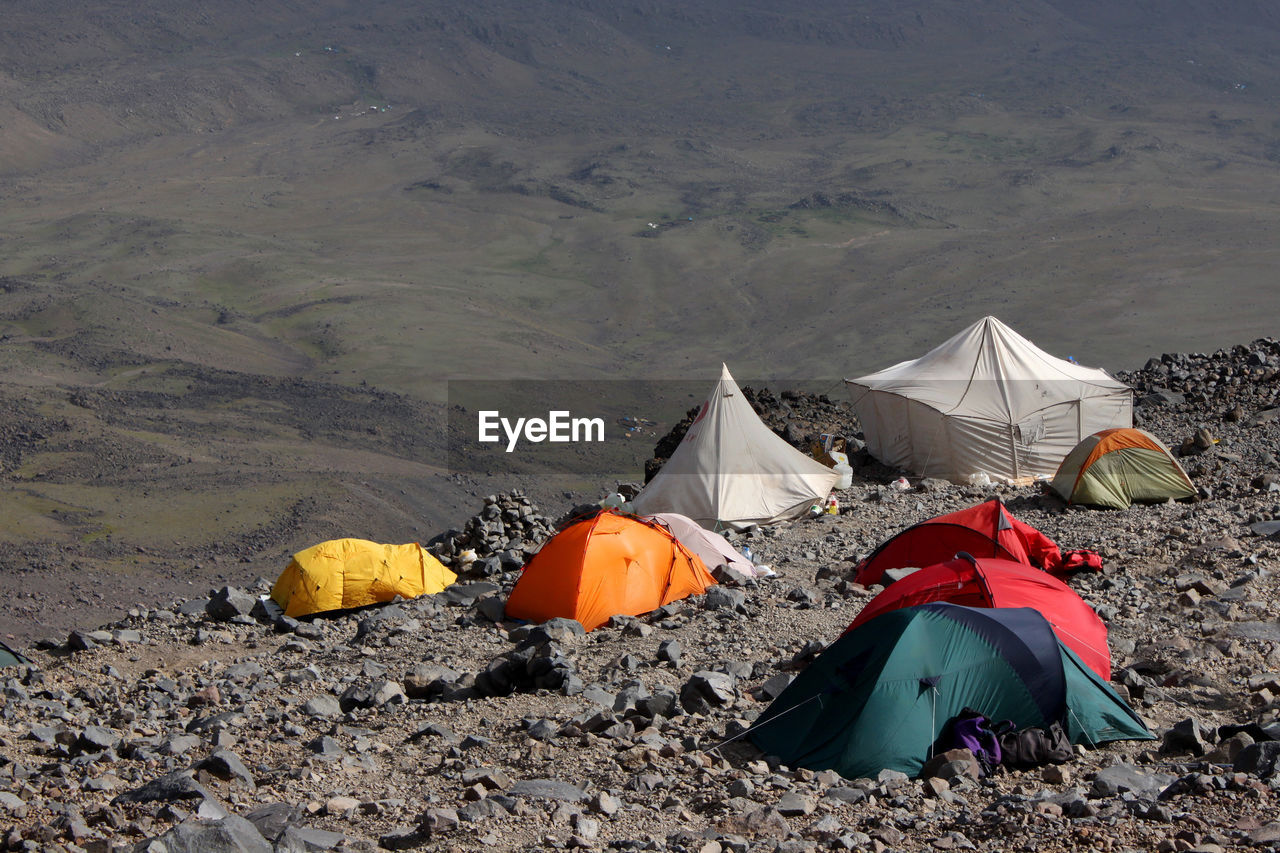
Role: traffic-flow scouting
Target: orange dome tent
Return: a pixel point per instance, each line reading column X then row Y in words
column 606, row 565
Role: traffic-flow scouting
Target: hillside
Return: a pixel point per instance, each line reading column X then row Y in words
column 208, row 723
column 246, row 249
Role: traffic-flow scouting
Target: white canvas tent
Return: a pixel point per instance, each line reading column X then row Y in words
column 985, row 401
column 731, row 470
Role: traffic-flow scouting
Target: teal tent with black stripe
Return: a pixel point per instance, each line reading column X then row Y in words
column 880, row 696
column 8, row 657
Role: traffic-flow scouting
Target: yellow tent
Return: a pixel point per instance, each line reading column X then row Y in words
column 344, row 573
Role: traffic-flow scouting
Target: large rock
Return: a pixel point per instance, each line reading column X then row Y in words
column 231, row 834
column 95, row 739
column 724, row 598
column 1187, row 736
column 950, row 764
column 376, row 694
column 707, row 690
column 1122, row 778
column 226, row 765
column 229, row 602
column 1260, row 759
column 761, row 822
column 178, row 785
column 418, row 684
column 322, row 706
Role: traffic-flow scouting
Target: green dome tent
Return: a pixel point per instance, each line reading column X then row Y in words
column 880, row 696
column 1117, row 468
column 8, row 657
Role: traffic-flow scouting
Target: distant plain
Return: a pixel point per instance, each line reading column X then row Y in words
column 243, row 252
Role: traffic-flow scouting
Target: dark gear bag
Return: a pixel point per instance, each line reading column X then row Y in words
column 1033, row 747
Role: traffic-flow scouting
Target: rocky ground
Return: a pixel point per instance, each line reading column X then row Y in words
column 215, row 724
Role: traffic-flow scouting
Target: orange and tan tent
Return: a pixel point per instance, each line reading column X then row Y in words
column 606, row 565
column 345, row 573
column 1119, row 467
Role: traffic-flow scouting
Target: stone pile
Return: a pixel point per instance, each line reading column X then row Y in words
column 1192, row 399
column 497, row 540
column 799, row 417
column 1245, row 375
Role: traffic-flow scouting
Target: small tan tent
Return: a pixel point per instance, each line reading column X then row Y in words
column 731, row 470
column 710, row 547
column 985, row 401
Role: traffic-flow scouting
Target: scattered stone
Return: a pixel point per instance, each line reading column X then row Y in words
column 243, row 705
column 548, row 789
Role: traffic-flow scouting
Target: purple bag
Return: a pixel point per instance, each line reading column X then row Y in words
column 974, row 732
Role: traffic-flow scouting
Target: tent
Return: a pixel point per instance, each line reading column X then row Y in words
column 606, row 565
column 880, row 696
column 710, row 547
column 732, row 470
column 987, row 401
column 8, row 657
column 984, row 530
column 345, row 573
column 992, row 582
column 1119, row 467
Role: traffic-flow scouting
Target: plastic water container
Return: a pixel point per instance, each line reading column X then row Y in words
column 844, row 474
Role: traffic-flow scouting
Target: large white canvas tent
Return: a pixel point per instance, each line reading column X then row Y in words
column 985, row 401
column 731, row 470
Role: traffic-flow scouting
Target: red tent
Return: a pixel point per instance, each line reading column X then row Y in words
column 992, row 582
column 985, row 530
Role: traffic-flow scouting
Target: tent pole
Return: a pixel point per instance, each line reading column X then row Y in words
column 1013, row 450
